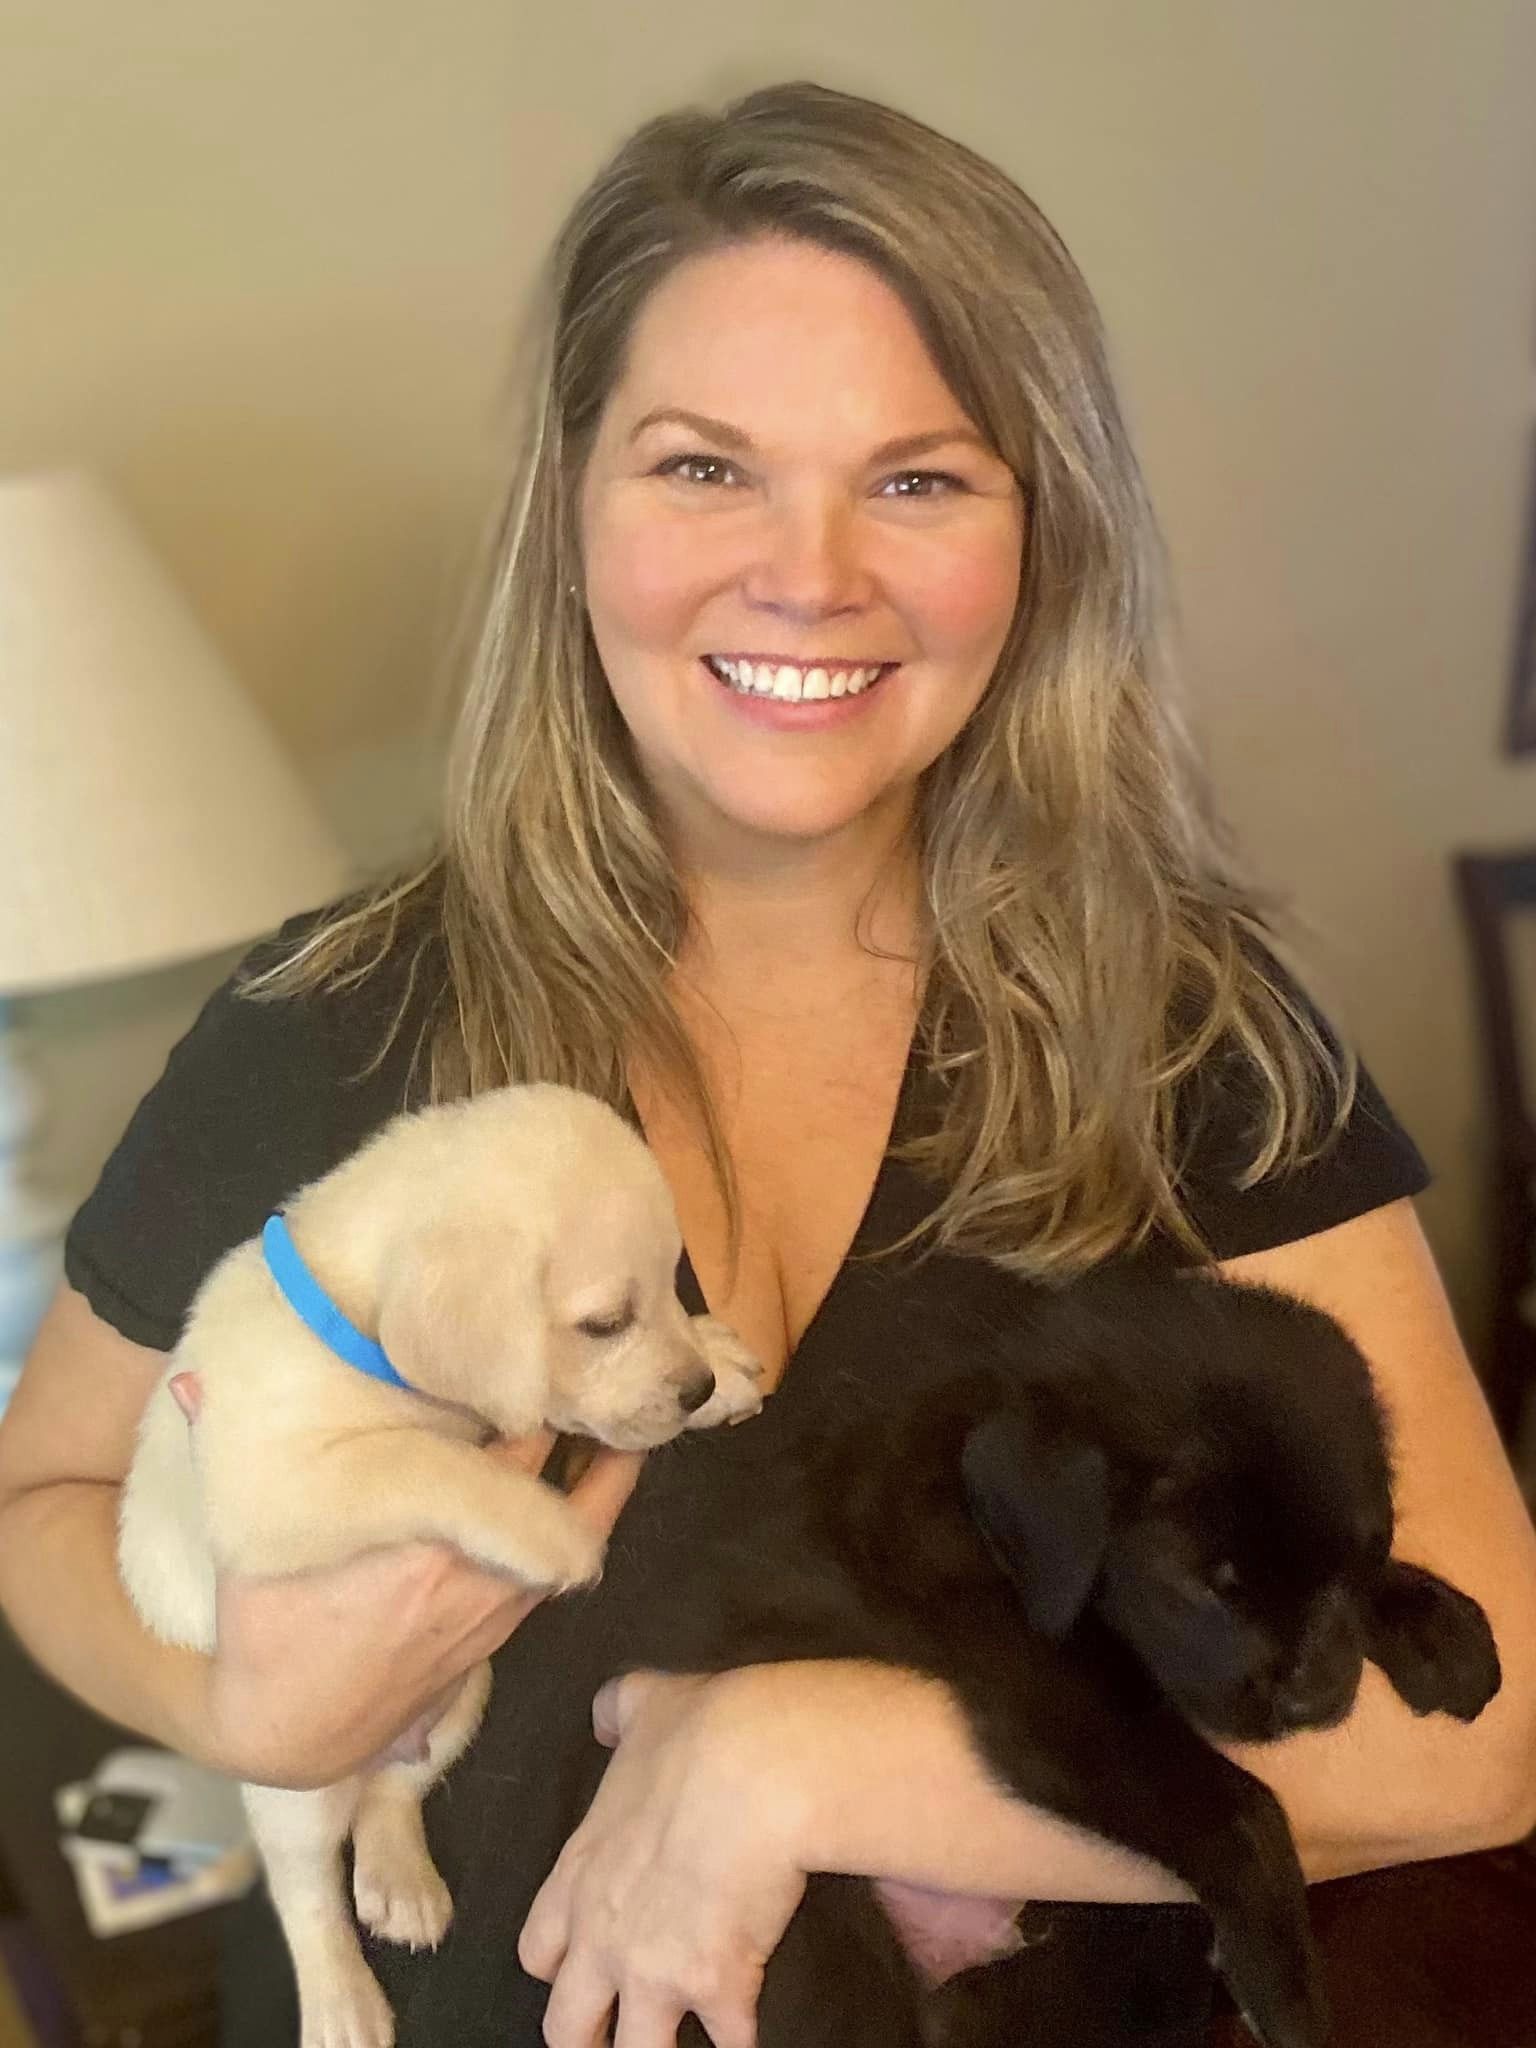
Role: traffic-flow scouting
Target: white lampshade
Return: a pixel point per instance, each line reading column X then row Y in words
column 146, row 812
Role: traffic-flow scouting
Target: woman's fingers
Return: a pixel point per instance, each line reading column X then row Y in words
column 616, row 1705
column 531, row 1452
column 581, row 2007
column 727, row 2027
column 648, row 2020
column 545, row 1937
column 601, row 1491
column 611, row 1709
column 579, row 2010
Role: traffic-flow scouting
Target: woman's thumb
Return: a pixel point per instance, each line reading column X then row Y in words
column 614, row 1707
column 600, row 1493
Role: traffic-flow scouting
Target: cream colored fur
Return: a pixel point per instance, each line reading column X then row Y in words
column 473, row 1239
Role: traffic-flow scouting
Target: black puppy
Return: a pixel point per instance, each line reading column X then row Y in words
column 1115, row 1521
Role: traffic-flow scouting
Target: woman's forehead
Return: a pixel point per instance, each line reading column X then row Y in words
column 788, row 344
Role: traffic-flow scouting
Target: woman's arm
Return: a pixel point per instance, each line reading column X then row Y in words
column 314, row 1674
column 724, row 1792
column 65, row 1444
column 1387, row 1787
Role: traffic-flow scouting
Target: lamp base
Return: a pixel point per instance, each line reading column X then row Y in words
column 31, row 1226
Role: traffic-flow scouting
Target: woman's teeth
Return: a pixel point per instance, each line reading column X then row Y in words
column 790, row 684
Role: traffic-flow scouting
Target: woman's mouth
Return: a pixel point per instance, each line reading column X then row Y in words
column 789, row 682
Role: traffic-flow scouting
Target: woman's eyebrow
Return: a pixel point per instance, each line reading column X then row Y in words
column 725, row 435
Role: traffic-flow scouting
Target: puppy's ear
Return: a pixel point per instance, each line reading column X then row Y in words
column 461, row 1315
column 1043, row 1506
column 1433, row 1643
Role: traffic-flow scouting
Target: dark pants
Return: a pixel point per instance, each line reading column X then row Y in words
column 258, row 2007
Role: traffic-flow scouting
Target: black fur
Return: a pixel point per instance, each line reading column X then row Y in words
column 1119, row 1519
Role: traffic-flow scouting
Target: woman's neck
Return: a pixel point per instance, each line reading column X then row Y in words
column 806, row 908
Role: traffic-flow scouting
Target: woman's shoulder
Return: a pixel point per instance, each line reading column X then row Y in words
column 1364, row 1161
column 265, row 1092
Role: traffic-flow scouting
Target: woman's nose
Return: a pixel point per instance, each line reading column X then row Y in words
column 808, row 566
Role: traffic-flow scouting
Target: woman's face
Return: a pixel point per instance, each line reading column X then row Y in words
column 801, row 560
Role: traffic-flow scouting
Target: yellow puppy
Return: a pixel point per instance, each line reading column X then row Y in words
column 483, row 1268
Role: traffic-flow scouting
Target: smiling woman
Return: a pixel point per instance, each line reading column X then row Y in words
column 794, row 624
column 819, row 801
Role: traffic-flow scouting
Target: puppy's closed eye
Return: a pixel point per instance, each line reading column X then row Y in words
column 611, row 1324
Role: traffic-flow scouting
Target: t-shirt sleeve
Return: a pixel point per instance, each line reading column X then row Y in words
column 257, row 1099
column 1370, row 1161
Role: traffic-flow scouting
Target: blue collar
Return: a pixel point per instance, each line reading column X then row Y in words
column 315, row 1308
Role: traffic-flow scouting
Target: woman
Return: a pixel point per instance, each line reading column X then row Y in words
column 817, row 796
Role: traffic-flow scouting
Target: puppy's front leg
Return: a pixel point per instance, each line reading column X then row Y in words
column 738, row 1375
column 338, row 1495
column 1433, row 1642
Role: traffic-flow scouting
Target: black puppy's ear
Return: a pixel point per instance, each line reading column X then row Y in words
column 1433, row 1643
column 1043, row 1506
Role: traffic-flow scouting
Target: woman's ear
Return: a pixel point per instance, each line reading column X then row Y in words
column 462, row 1316
column 1433, row 1643
column 1043, row 1506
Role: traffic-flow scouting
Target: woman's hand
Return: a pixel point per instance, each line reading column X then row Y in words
column 673, row 1893
column 320, row 1673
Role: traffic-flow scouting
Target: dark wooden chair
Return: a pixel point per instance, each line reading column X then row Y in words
column 1497, row 890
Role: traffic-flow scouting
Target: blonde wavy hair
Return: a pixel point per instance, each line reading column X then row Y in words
column 1090, row 940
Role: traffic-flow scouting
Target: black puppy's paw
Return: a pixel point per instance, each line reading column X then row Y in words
column 1433, row 1643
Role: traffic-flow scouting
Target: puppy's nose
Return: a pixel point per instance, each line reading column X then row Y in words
column 1318, row 1700
column 692, row 1394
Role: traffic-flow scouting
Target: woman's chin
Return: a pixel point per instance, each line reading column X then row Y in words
column 787, row 819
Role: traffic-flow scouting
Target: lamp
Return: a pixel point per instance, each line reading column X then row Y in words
column 146, row 813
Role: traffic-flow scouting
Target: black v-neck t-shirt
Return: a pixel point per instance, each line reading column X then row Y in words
column 260, row 1098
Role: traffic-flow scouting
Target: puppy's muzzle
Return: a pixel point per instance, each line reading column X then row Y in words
column 1320, row 1688
column 1318, row 1699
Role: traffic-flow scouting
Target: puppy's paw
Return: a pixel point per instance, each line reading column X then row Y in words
column 347, row 2011
column 395, row 1885
column 738, row 1375
column 561, row 1555
column 1433, row 1643
column 402, row 1901
column 536, row 1538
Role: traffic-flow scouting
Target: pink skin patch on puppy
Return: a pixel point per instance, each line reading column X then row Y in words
column 947, row 1932
column 410, row 1745
column 187, row 1393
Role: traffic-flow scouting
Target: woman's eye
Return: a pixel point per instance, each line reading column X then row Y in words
column 923, row 483
column 697, row 469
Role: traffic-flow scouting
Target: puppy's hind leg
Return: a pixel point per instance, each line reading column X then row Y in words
column 399, row 1894
column 300, row 1835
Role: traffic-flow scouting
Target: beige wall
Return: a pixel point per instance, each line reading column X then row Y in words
column 258, row 263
